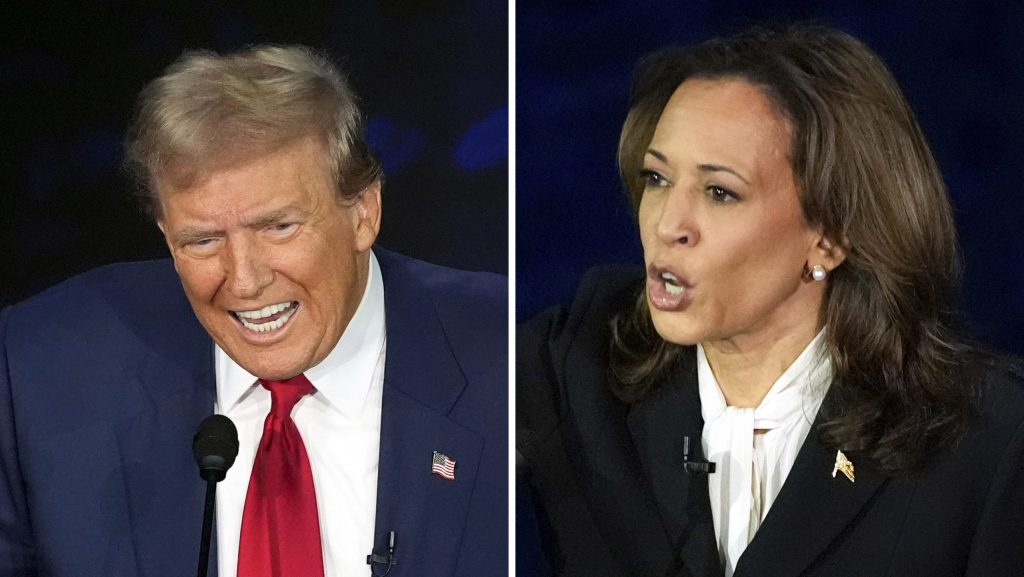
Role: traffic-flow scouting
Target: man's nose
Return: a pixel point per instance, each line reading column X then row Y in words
column 246, row 270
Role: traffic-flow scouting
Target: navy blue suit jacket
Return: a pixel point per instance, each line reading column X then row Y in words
column 104, row 378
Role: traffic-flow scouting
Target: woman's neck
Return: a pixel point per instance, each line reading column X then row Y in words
column 746, row 368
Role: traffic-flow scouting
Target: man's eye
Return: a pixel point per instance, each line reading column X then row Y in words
column 282, row 228
column 200, row 243
column 201, row 246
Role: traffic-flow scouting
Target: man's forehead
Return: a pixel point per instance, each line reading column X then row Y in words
column 244, row 206
column 181, row 172
column 251, row 198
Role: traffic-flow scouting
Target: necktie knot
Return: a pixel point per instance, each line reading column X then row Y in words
column 284, row 394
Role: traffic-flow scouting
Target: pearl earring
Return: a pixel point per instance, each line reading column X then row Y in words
column 818, row 272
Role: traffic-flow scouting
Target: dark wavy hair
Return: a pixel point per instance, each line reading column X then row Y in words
column 864, row 175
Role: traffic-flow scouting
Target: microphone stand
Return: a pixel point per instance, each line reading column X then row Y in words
column 204, row 543
column 215, row 446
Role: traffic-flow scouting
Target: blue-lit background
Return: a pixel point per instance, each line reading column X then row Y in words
column 961, row 65
column 432, row 77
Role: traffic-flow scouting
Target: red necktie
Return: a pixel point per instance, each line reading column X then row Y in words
column 280, row 527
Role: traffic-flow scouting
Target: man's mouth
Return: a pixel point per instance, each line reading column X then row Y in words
column 268, row 318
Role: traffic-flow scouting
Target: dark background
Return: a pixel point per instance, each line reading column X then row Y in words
column 432, row 77
column 960, row 64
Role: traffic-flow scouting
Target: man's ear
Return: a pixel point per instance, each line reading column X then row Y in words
column 368, row 212
column 167, row 240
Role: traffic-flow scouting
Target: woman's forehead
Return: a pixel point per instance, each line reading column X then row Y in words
column 722, row 121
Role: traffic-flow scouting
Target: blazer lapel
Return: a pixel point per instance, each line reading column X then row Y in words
column 164, row 492
column 658, row 424
column 812, row 508
column 426, row 511
column 422, row 382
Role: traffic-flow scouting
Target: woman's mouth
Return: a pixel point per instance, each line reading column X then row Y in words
column 672, row 284
column 667, row 291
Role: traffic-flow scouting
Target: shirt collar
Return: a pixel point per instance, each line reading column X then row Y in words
column 344, row 377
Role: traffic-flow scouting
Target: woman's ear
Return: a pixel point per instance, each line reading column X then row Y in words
column 823, row 256
column 832, row 253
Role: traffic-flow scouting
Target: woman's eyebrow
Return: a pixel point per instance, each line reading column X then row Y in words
column 658, row 155
column 721, row 168
column 704, row 167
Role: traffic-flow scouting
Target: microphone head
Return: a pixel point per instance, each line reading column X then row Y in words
column 215, row 447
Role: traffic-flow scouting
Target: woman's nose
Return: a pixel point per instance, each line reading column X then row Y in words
column 677, row 219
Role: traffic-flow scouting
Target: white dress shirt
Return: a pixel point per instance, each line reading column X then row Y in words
column 340, row 427
column 752, row 468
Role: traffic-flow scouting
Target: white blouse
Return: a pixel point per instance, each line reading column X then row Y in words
column 752, row 468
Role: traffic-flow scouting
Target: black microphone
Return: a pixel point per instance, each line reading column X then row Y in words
column 215, row 446
column 382, row 559
column 695, row 465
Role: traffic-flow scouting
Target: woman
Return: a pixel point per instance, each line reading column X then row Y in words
column 791, row 326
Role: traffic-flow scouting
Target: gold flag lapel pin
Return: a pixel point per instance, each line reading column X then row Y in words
column 843, row 464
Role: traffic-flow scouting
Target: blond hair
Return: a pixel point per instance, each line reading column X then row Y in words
column 209, row 111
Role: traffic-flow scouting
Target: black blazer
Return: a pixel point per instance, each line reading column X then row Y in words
column 611, row 496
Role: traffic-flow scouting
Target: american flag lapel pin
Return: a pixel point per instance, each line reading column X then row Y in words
column 843, row 465
column 443, row 466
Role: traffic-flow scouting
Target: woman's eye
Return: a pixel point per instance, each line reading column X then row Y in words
column 719, row 194
column 652, row 179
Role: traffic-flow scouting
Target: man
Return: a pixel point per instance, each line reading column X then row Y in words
column 255, row 168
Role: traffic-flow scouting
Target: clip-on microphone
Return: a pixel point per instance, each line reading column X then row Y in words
column 389, row 558
column 695, row 466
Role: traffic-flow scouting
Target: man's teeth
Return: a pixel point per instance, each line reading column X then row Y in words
column 246, row 317
column 264, row 312
column 672, row 285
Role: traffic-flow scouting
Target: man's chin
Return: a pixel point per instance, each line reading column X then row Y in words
column 273, row 371
column 276, row 362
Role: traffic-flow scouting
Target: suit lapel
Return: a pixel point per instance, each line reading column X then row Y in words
column 164, row 492
column 422, row 382
column 426, row 512
column 657, row 425
column 812, row 508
